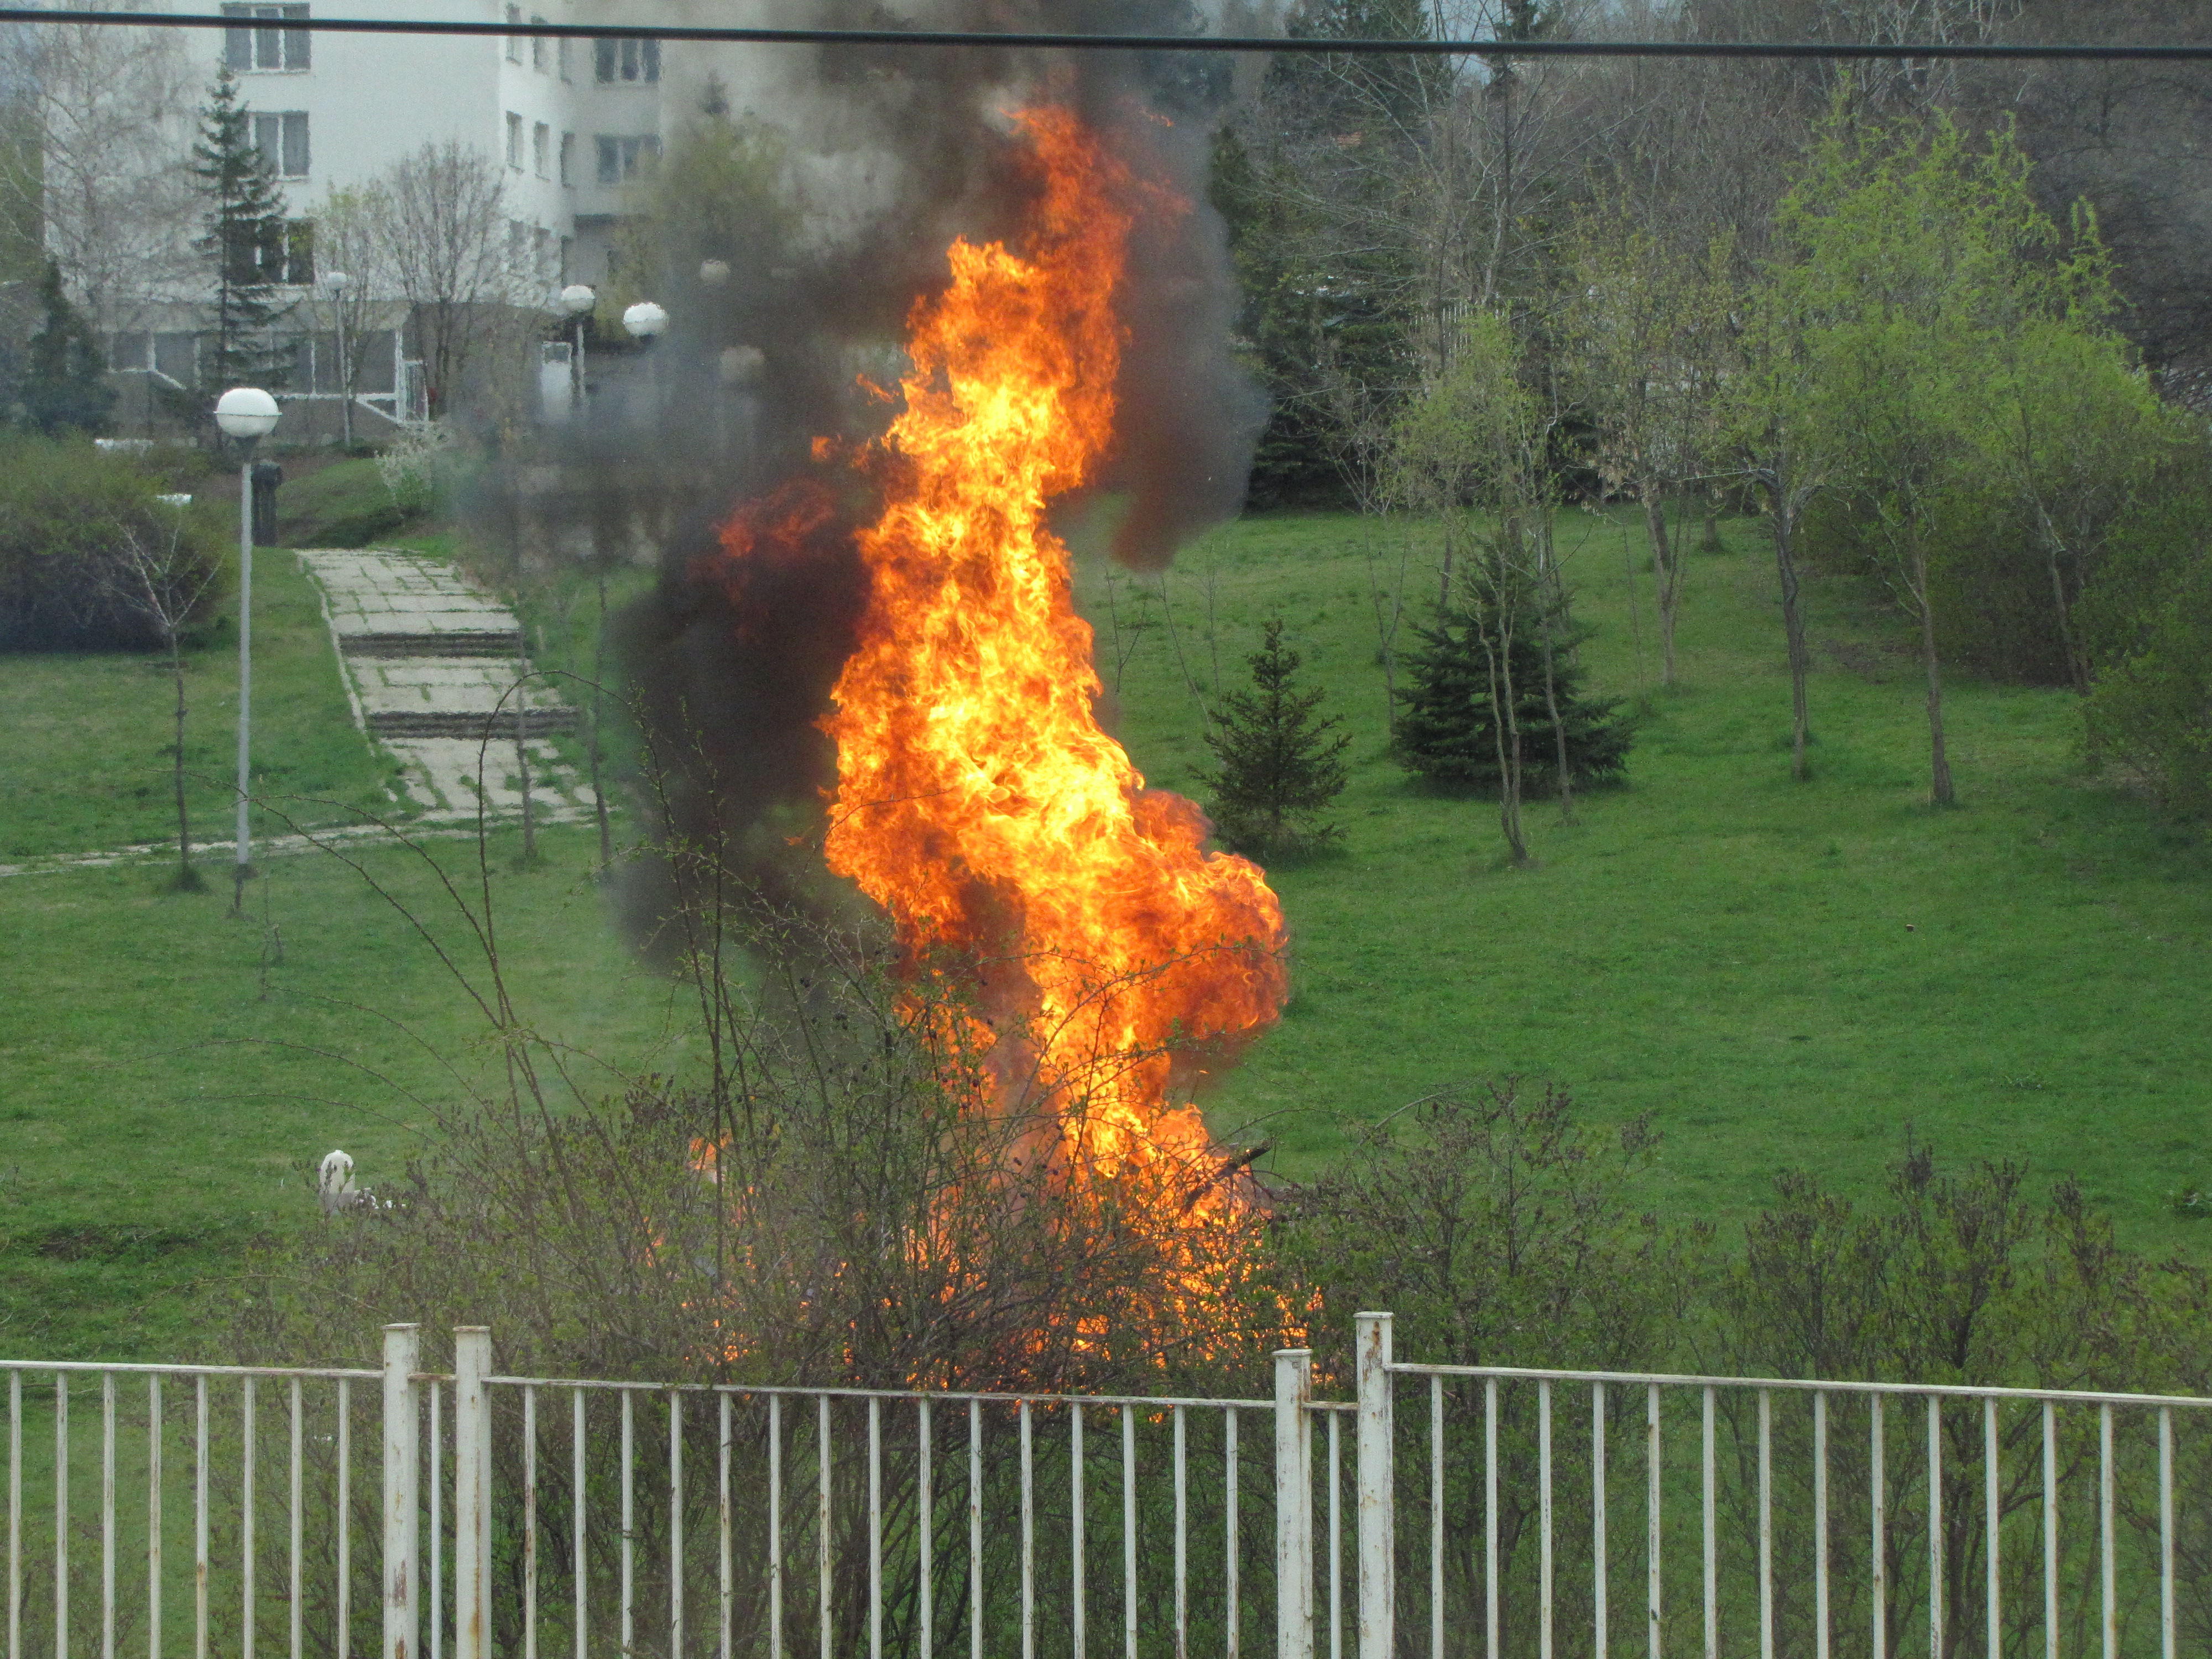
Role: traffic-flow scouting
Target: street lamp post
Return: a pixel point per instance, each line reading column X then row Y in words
column 337, row 281
column 247, row 414
column 646, row 322
column 576, row 301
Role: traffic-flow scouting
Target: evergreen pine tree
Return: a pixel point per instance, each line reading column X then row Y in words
column 245, row 239
column 1279, row 763
column 1447, row 726
column 64, row 384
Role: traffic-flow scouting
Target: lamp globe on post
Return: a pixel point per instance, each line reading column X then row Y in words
column 337, row 281
column 247, row 414
column 646, row 321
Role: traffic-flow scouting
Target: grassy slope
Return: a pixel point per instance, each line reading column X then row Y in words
column 88, row 735
column 1782, row 974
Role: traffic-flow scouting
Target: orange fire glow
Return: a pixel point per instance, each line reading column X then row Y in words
column 978, row 800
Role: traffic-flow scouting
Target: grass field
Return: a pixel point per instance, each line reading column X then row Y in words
column 1780, row 974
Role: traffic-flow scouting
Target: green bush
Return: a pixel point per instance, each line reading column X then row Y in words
column 70, row 516
column 2147, row 621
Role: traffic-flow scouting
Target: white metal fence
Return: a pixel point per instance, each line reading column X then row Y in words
column 1444, row 1512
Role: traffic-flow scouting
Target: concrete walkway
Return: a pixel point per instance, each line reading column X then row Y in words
column 436, row 673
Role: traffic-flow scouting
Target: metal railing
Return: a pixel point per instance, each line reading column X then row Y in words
column 239, row 1510
column 1773, row 1515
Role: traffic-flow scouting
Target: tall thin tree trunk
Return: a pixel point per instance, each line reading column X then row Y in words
column 1711, row 542
column 1505, row 732
column 1554, row 601
column 1793, row 629
column 187, row 880
column 598, row 683
column 1940, row 790
column 1663, row 579
column 2077, row 666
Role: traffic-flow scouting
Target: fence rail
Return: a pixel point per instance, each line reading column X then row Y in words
column 254, row 1510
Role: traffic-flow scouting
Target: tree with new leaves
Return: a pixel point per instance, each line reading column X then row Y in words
column 244, row 237
column 1281, row 762
column 65, row 382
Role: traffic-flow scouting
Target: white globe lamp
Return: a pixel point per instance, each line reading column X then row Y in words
column 245, row 411
column 644, row 320
column 575, row 300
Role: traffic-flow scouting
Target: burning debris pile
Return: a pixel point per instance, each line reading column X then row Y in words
column 874, row 668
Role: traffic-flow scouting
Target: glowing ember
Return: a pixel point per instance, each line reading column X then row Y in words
column 978, row 801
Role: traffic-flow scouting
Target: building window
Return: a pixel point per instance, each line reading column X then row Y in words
column 280, row 251
column 538, row 47
column 514, row 41
column 542, row 268
column 267, row 47
column 514, row 141
column 282, row 138
column 626, row 60
column 299, row 253
column 541, row 141
column 568, row 159
column 131, row 350
column 568, row 262
column 622, row 158
column 561, row 56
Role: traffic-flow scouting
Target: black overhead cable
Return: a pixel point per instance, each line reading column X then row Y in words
column 1031, row 39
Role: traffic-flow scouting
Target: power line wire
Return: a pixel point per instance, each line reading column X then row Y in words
column 1033, row 40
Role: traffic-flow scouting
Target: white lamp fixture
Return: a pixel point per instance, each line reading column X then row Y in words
column 644, row 320
column 249, row 415
column 714, row 272
column 245, row 411
column 575, row 300
column 337, row 281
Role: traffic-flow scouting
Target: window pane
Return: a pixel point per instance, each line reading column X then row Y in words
column 237, row 46
column 268, row 141
column 610, row 161
column 652, row 49
column 129, row 352
column 300, row 252
column 296, row 144
column 603, row 59
column 630, row 60
column 176, row 356
column 568, row 158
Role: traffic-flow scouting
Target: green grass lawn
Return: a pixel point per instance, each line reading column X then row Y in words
column 1780, row 973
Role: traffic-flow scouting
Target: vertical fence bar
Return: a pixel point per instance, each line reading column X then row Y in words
column 1713, row 1534
column 1235, row 1629
column 1128, row 1534
column 1766, row 1517
column 1936, row 1526
column 1181, row 1541
column 1992, row 1524
column 15, row 1515
column 875, row 1528
column 1598, row 1608
column 1078, row 1634
column 2109, row 1620
column 2050, row 1529
column 580, row 1521
column 2166, row 1623
column 1820, row 1621
column 345, row 1520
column 1335, row 1539
column 530, row 1523
column 727, row 1582
column 248, row 1468
column 1651, row 1492
column 107, row 1514
column 1029, row 1539
column 154, row 1521
column 675, row 1524
column 1437, row 1517
column 1877, row 1520
column 1490, row 1630
column 629, row 1586
column 472, row 1494
column 822, row 1521
column 298, row 1540
column 1544, row 1518
column 200, row 1455
column 1293, row 1505
column 926, row 1513
column 975, row 1529
column 1374, row 1508
column 774, row 1528
column 435, row 1507
column 61, row 1515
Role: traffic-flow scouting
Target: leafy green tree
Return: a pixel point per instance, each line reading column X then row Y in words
column 1455, row 725
column 1280, row 760
column 64, row 383
column 244, row 239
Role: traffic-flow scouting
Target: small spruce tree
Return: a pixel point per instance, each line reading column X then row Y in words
column 245, row 239
column 1448, row 724
column 1280, row 761
column 64, row 384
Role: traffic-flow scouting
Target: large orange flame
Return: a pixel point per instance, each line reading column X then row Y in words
column 978, row 800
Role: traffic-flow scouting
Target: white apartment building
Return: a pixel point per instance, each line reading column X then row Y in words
column 571, row 123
